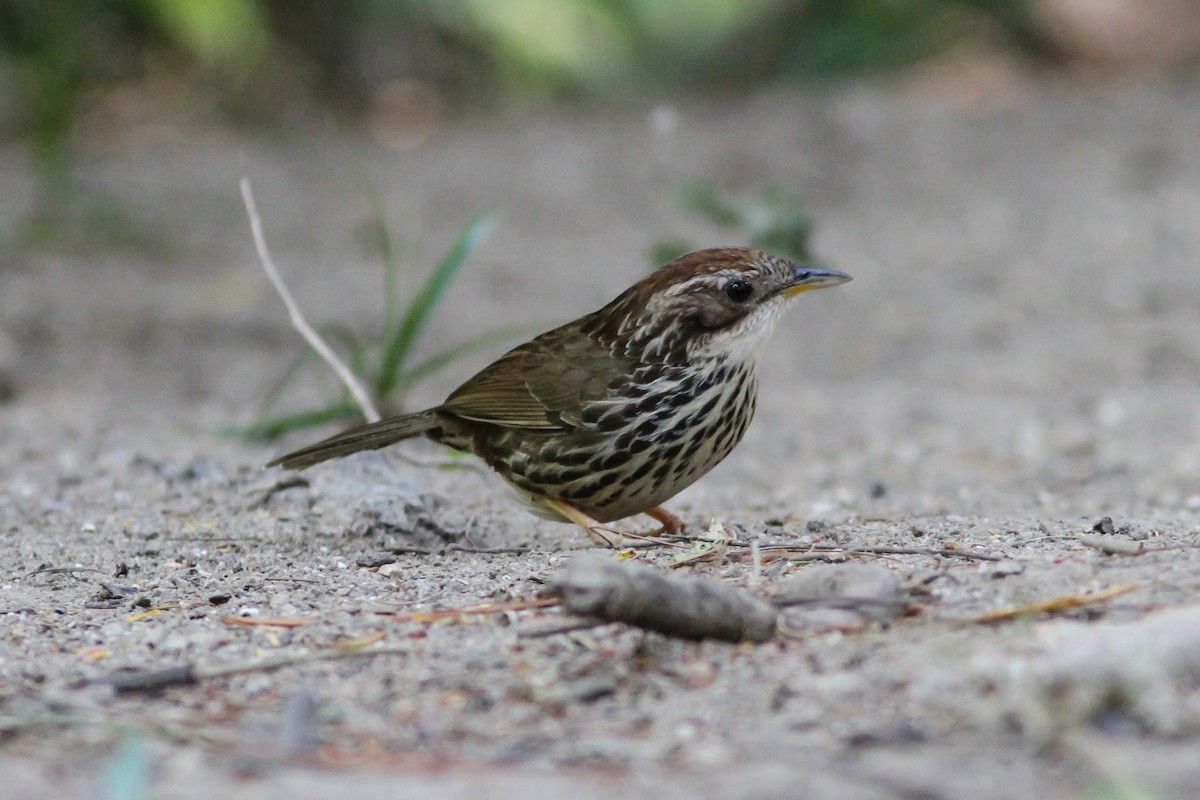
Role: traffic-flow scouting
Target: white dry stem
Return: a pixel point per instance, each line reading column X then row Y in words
column 311, row 336
column 756, row 559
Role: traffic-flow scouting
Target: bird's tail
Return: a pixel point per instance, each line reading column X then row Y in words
column 371, row 436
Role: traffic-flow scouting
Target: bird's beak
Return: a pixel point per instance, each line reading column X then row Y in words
column 805, row 279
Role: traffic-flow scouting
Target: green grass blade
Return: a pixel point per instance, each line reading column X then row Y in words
column 276, row 391
column 268, row 430
column 437, row 362
column 333, row 334
column 355, row 347
column 390, row 256
column 419, row 310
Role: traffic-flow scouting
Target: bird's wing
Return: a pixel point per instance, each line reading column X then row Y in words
column 540, row 385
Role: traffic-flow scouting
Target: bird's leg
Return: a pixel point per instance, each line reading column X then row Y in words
column 594, row 530
column 671, row 524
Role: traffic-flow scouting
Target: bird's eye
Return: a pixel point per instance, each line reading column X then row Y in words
column 738, row 291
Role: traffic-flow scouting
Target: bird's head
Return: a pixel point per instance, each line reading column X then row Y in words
column 720, row 303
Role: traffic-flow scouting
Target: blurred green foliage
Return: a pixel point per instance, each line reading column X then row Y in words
column 52, row 51
column 612, row 46
column 774, row 220
column 833, row 38
column 217, row 31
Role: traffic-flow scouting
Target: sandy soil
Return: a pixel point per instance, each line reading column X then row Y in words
column 1017, row 358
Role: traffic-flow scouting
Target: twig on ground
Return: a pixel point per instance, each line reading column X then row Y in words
column 1113, row 547
column 361, row 398
column 944, row 552
column 564, row 625
column 470, row 548
column 411, row 550
column 480, row 609
column 404, row 550
column 644, row 540
column 1056, row 604
column 60, row 571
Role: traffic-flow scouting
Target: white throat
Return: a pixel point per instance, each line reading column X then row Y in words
column 745, row 341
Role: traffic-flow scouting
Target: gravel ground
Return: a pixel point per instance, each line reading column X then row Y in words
column 1017, row 359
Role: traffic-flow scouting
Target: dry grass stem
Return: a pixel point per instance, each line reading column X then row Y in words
column 361, row 398
column 1057, row 605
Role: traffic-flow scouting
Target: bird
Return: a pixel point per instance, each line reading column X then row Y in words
column 613, row 414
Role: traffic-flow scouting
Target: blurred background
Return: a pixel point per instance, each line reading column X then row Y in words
column 398, row 69
column 949, row 153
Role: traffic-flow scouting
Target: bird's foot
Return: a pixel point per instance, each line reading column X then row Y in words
column 671, row 524
column 600, row 535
